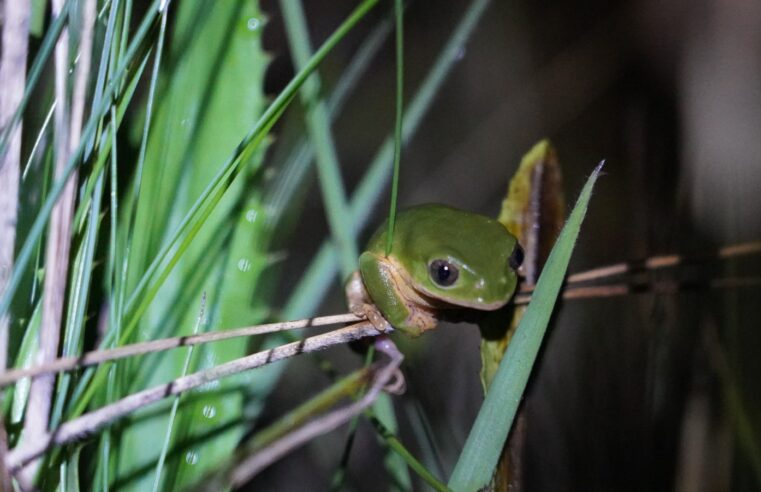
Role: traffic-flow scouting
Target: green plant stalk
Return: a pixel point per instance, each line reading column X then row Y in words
column 399, row 11
column 337, row 481
column 318, row 125
column 176, row 404
column 482, row 449
column 302, row 153
column 132, row 205
column 396, row 445
column 105, row 64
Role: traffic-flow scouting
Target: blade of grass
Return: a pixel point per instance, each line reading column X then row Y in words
column 399, row 11
column 12, row 77
column 176, row 404
column 393, row 442
column 482, row 449
column 299, row 157
column 348, row 386
column 318, row 125
column 25, row 358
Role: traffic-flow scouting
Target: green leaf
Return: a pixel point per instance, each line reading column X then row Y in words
column 482, row 449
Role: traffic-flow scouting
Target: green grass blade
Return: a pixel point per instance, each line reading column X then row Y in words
column 25, row 358
column 393, row 442
column 296, row 163
column 482, row 449
column 318, row 125
column 399, row 11
column 175, row 405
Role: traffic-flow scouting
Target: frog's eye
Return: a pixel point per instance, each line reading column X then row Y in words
column 516, row 257
column 443, row 273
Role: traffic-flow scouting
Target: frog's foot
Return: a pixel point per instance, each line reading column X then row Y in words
column 356, row 294
column 375, row 317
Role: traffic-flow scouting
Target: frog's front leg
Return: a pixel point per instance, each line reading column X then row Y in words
column 361, row 304
column 391, row 297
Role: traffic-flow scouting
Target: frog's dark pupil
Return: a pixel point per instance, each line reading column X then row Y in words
column 443, row 272
column 516, row 258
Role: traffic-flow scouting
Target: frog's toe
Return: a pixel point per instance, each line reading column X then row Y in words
column 376, row 318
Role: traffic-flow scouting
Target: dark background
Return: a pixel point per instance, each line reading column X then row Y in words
column 636, row 393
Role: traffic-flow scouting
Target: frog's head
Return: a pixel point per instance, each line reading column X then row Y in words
column 457, row 257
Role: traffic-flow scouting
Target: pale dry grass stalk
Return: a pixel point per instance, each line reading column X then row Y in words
column 15, row 46
column 68, row 125
column 160, row 345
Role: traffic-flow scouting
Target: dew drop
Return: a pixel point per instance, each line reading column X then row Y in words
column 206, row 387
column 191, row 457
column 251, row 215
column 209, row 411
column 244, row 265
column 253, row 24
column 460, row 53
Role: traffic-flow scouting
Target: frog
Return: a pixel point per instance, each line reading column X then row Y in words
column 442, row 260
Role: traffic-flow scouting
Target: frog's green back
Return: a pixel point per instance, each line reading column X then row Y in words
column 478, row 245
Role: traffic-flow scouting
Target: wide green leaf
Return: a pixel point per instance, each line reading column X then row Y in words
column 476, row 464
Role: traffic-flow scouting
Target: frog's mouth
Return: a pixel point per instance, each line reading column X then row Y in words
column 430, row 300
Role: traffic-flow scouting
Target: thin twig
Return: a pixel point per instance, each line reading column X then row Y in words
column 90, row 423
column 663, row 261
column 99, row 356
column 15, row 39
column 645, row 286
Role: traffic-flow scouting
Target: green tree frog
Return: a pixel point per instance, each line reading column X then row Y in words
column 443, row 260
